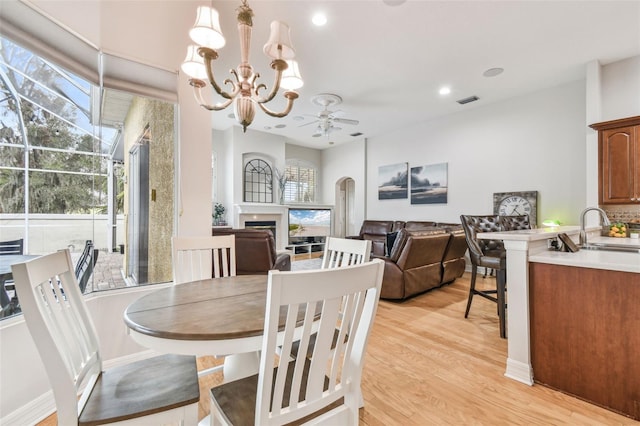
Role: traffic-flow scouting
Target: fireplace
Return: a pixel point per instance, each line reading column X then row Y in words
column 269, row 225
column 275, row 214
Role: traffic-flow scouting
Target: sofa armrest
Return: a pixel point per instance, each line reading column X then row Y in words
column 283, row 261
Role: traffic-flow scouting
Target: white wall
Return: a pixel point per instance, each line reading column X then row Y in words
column 347, row 160
column 621, row 89
column 193, row 180
column 531, row 143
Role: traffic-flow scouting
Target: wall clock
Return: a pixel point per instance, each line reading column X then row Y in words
column 516, row 204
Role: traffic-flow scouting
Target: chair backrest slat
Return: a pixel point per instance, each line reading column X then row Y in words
column 61, row 326
column 12, row 247
column 339, row 252
column 315, row 302
column 199, row 258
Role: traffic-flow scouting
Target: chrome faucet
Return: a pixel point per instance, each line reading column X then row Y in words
column 583, row 233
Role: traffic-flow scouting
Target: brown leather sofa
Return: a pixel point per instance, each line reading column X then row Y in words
column 376, row 231
column 416, row 262
column 256, row 251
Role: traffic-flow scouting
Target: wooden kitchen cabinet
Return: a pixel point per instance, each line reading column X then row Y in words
column 619, row 161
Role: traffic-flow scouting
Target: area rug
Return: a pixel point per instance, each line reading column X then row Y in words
column 303, row 265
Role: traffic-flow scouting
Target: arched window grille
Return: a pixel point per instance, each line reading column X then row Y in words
column 258, row 182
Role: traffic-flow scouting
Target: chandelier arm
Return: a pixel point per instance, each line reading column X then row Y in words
column 291, row 97
column 278, row 65
column 209, row 55
column 198, row 85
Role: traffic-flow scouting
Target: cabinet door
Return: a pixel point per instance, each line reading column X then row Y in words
column 618, row 162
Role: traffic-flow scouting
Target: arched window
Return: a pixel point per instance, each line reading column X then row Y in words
column 258, row 182
column 301, row 182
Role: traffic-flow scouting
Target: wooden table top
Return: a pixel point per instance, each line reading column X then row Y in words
column 215, row 309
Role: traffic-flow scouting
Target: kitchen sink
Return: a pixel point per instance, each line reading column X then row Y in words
column 610, row 247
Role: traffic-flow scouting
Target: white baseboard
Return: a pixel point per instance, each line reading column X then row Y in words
column 31, row 413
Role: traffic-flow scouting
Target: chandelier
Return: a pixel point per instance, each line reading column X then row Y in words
column 245, row 91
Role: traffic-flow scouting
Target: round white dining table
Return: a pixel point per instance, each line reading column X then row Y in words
column 220, row 316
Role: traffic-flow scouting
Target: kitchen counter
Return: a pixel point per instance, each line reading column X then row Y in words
column 597, row 259
column 527, row 246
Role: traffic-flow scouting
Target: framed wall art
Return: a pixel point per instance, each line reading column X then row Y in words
column 393, row 181
column 429, row 184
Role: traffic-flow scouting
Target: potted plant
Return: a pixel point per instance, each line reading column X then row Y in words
column 218, row 214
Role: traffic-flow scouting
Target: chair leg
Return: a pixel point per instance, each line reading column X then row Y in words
column 472, row 289
column 501, row 281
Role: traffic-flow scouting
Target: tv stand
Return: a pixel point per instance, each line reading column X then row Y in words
column 310, row 249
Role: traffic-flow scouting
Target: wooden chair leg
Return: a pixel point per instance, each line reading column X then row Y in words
column 472, row 289
column 501, row 281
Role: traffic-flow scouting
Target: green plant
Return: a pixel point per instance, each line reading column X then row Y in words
column 218, row 211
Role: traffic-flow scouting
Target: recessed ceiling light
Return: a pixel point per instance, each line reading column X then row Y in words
column 232, row 115
column 298, row 118
column 280, row 126
column 319, row 19
column 445, row 90
column 267, row 127
column 492, row 72
column 331, row 142
column 393, row 2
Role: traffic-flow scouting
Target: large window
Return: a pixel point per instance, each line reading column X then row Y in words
column 300, row 182
column 70, row 169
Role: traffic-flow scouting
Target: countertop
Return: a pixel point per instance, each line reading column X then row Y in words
column 597, row 259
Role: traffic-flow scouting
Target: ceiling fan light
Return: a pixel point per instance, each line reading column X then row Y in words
column 291, row 79
column 193, row 64
column 279, row 45
column 206, row 31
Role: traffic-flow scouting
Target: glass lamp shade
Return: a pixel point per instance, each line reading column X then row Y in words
column 291, row 79
column 551, row 222
column 193, row 64
column 206, row 31
column 279, row 44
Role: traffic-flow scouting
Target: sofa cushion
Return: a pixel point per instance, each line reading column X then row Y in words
column 419, row 225
column 391, row 239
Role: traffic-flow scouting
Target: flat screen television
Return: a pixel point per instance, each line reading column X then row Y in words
column 309, row 225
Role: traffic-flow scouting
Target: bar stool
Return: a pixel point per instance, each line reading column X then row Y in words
column 489, row 254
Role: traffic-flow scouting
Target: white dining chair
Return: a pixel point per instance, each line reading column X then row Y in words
column 340, row 252
column 199, row 258
column 327, row 384
column 158, row 390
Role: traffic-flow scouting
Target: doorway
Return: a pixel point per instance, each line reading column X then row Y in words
column 344, row 211
column 138, row 235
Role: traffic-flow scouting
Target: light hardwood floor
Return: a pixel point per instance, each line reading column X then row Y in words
column 428, row 365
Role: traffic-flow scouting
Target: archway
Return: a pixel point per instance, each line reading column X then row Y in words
column 344, row 223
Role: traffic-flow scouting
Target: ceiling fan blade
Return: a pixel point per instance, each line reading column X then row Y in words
column 311, row 122
column 346, row 121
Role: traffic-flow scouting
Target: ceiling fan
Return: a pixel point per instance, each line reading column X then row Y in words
column 326, row 120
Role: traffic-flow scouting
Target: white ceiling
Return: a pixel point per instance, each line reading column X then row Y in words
column 386, row 62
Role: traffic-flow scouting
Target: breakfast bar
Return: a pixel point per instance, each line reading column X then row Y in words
column 574, row 311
